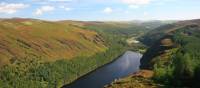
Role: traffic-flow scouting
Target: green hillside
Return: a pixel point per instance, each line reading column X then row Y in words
column 176, row 59
column 173, row 58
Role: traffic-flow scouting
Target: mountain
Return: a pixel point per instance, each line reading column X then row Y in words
column 155, row 34
column 154, row 23
column 51, row 41
column 121, row 28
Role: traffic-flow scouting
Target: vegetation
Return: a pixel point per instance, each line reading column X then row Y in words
column 173, row 57
column 55, row 74
column 179, row 64
column 134, row 82
column 140, row 79
column 49, row 40
column 187, row 59
column 42, row 54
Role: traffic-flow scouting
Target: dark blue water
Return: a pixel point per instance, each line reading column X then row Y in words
column 127, row 64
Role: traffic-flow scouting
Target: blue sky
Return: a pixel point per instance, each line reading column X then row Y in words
column 101, row 10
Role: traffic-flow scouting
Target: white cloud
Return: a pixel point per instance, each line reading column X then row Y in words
column 108, row 10
column 134, row 6
column 10, row 8
column 136, row 2
column 43, row 9
column 145, row 13
column 127, row 12
column 66, row 8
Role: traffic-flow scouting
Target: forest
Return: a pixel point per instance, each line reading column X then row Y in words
column 183, row 68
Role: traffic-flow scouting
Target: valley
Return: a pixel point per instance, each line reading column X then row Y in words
column 51, row 54
column 99, row 44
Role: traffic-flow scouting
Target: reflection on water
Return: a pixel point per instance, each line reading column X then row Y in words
column 123, row 66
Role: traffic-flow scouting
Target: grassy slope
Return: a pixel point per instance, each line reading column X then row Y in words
column 50, row 40
column 140, row 79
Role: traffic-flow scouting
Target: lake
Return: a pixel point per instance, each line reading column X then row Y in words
column 123, row 66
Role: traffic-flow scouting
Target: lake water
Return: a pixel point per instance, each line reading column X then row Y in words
column 127, row 64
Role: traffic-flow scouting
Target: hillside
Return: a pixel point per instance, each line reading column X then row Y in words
column 152, row 36
column 41, row 54
column 173, row 57
column 169, row 37
column 52, row 41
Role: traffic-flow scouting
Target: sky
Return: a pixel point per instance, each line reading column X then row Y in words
column 101, row 10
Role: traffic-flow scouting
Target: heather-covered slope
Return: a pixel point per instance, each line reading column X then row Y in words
column 44, row 54
column 50, row 40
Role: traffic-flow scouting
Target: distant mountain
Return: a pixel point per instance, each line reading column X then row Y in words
column 150, row 37
column 119, row 27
